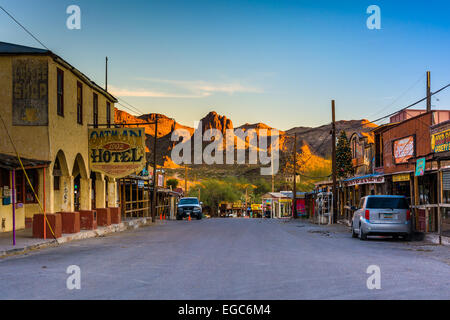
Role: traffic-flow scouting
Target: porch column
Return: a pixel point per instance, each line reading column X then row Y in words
column 416, row 201
column 67, row 187
column 49, row 192
column 112, row 193
column 100, row 192
column 86, row 191
column 440, row 197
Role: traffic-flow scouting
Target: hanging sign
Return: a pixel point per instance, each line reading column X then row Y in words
column 420, row 167
column 400, row 177
column 440, row 142
column 403, row 149
column 117, row 152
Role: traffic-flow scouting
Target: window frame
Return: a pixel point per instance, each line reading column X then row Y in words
column 108, row 113
column 60, row 92
column 79, row 102
column 95, row 109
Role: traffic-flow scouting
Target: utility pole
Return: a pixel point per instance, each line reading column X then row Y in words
column 273, row 181
column 154, row 170
column 294, row 189
column 185, row 180
column 333, row 153
column 106, row 74
column 428, row 92
column 246, row 195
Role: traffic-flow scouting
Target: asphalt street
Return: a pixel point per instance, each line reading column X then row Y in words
column 230, row 259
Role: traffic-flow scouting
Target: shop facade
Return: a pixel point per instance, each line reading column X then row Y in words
column 51, row 130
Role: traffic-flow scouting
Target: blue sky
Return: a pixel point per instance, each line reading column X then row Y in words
column 277, row 62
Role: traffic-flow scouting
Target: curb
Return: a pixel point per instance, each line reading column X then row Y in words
column 437, row 239
column 85, row 234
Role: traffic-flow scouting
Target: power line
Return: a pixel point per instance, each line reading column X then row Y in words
column 400, row 96
column 26, row 30
column 131, row 106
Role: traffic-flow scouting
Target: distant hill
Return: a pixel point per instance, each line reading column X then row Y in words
column 313, row 144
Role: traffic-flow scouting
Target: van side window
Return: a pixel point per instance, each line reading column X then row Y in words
column 361, row 203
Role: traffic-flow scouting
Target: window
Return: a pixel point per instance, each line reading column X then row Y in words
column 60, row 92
column 108, row 114
column 56, row 175
column 34, row 180
column 79, row 103
column 24, row 192
column 4, row 178
column 95, row 110
column 361, row 203
column 387, row 203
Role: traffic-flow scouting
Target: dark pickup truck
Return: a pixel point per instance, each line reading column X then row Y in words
column 189, row 207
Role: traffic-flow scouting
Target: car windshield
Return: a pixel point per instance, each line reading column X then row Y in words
column 188, row 201
column 386, row 203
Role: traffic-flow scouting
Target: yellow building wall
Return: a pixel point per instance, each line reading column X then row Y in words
column 31, row 141
column 63, row 135
column 6, row 218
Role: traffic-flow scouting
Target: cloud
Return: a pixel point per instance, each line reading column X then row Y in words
column 123, row 92
column 185, row 89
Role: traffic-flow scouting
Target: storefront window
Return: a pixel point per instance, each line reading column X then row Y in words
column 24, row 191
column 4, row 178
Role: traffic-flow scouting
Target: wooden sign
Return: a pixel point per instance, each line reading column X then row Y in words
column 117, row 152
column 30, row 92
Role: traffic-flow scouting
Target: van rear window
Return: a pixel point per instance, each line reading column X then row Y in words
column 386, row 203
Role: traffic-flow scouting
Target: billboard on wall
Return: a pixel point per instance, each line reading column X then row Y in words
column 117, row 152
column 403, row 149
column 30, row 92
column 440, row 142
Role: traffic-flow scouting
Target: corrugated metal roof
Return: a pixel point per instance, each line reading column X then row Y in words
column 363, row 177
column 12, row 163
column 9, row 48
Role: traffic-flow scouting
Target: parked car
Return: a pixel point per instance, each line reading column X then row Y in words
column 382, row 215
column 189, row 207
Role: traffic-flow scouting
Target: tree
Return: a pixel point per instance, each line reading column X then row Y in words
column 172, row 183
column 344, row 165
column 215, row 191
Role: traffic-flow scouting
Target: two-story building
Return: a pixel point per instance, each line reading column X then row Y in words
column 46, row 105
column 399, row 147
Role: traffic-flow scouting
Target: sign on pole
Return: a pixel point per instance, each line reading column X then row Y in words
column 117, row 152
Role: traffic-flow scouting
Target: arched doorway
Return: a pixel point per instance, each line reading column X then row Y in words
column 60, row 173
column 93, row 193
column 80, row 189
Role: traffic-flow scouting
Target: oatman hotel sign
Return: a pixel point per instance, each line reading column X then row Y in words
column 117, row 152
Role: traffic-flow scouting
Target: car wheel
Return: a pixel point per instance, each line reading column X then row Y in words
column 199, row 216
column 408, row 237
column 354, row 234
column 179, row 217
column 362, row 235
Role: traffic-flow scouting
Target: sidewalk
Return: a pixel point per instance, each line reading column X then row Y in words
column 417, row 236
column 25, row 241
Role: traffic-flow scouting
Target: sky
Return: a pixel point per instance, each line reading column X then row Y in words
column 277, row 62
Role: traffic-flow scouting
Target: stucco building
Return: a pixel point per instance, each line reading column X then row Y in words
column 46, row 106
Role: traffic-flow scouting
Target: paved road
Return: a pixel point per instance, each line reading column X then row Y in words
column 230, row 259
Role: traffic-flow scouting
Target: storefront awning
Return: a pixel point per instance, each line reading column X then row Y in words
column 12, row 163
column 366, row 179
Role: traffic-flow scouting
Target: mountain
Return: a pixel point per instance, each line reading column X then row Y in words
column 313, row 143
column 319, row 138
